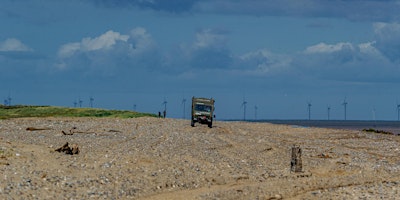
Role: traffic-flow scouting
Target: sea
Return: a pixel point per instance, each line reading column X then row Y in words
column 388, row 126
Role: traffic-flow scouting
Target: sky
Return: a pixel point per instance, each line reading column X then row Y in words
column 278, row 56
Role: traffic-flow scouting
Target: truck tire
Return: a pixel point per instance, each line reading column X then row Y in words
column 210, row 125
column 192, row 123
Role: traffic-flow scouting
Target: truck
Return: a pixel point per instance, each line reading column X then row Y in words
column 202, row 111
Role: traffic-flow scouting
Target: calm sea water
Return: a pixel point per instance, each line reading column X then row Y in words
column 390, row 126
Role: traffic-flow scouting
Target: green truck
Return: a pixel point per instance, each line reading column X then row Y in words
column 202, row 111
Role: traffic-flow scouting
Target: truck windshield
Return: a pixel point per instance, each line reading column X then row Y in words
column 203, row 108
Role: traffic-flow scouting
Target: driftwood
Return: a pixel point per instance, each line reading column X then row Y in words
column 68, row 150
column 37, row 129
column 74, row 130
column 65, row 133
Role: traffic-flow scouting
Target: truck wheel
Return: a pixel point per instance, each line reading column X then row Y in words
column 210, row 125
column 192, row 123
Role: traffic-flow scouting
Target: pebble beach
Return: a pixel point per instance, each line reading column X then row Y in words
column 153, row 158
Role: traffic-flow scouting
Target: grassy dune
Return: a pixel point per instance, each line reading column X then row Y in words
column 19, row 111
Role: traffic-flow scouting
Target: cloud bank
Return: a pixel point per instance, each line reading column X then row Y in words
column 113, row 53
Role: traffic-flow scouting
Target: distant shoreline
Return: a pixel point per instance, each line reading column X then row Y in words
column 391, row 126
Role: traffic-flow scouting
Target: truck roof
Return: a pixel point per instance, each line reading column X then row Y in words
column 203, row 100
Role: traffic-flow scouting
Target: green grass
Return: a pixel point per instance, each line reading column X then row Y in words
column 19, row 111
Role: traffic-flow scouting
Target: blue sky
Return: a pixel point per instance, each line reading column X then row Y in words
column 277, row 55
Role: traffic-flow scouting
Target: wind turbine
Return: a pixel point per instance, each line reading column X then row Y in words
column 398, row 112
column 255, row 112
column 184, row 107
column 134, row 107
column 80, row 102
column 91, row 99
column 309, row 110
column 9, row 100
column 244, row 109
column 345, row 108
column 165, row 107
column 374, row 115
column 329, row 111
column 75, row 103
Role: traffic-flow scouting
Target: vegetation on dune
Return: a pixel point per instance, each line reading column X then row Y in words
column 19, row 111
column 378, row 131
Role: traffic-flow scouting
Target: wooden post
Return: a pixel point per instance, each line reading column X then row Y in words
column 296, row 164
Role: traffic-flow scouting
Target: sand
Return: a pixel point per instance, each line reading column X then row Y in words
column 151, row 158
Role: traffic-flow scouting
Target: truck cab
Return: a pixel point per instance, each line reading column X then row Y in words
column 202, row 111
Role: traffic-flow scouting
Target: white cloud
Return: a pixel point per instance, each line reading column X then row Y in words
column 369, row 49
column 210, row 38
column 104, row 42
column 387, row 36
column 109, row 52
column 328, row 48
column 264, row 63
column 141, row 40
column 69, row 49
column 387, row 32
column 208, row 51
column 345, row 61
column 12, row 44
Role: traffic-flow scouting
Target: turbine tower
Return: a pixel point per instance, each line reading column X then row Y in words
column 374, row 114
column 398, row 112
column 134, row 107
column 244, row 109
column 345, row 108
column 165, row 107
column 184, row 107
column 91, row 102
column 255, row 112
column 309, row 110
column 80, row 102
column 9, row 100
column 75, row 103
column 329, row 111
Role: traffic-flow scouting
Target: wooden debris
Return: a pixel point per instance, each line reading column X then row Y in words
column 37, row 129
column 267, row 149
column 70, row 133
column 322, row 155
column 296, row 164
column 73, row 130
column 68, row 150
column 114, row 131
column 4, row 163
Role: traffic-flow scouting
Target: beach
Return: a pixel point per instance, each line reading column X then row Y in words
column 155, row 158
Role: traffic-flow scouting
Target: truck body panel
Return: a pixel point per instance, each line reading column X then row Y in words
column 202, row 111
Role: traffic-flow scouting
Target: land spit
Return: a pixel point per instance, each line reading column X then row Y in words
column 152, row 158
